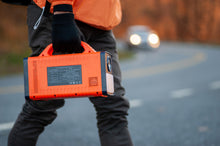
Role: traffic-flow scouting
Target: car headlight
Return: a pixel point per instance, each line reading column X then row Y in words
column 135, row 39
column 153, row 40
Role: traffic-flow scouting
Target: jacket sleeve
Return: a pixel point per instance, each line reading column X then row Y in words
column 41, row 3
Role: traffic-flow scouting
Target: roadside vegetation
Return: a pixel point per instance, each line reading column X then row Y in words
column 12, row 63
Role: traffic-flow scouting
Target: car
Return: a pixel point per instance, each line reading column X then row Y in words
column 142, row 38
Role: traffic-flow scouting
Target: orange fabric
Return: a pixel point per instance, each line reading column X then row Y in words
column 103, row 14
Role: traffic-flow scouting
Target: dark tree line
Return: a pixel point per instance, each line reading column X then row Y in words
column 184, row 20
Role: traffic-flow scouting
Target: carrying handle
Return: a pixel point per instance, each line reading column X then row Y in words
column 48, row 51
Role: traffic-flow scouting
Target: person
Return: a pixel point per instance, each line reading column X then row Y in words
column 70, row 22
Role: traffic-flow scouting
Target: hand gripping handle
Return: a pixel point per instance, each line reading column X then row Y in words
column 48, row 51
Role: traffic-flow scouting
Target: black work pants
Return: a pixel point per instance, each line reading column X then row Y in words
column 111, row 111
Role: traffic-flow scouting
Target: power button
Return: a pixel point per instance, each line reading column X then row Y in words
column 109, row 63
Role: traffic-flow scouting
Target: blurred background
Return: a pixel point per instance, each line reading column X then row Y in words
column 182, row 20
column 175, row 20
column 170, row 56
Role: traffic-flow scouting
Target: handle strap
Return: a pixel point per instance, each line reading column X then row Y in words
column 48, row 51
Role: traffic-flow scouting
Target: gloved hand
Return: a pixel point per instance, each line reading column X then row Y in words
column 65, row 33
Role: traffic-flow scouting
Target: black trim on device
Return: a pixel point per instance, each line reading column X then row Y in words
column 26, row 82
column 103, row 73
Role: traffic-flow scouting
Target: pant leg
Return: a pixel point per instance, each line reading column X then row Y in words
column 111, row 111
column 35, row 115
column 41, row 37
column 30, row 123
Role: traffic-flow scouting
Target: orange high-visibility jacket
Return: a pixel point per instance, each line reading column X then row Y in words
column 103, row 14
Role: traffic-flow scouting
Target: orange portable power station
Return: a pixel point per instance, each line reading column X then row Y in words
column 87, row 74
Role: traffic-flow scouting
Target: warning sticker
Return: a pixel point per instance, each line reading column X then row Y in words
column 93, row 81
column 64, row 75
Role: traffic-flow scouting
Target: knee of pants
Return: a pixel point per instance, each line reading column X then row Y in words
column 41, row 111
column 111, row 112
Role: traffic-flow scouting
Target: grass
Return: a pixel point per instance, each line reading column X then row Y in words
column 12, row 63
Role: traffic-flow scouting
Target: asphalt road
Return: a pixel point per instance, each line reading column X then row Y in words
column 174, row 96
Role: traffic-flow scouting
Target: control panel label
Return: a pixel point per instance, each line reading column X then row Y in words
column 64, row 75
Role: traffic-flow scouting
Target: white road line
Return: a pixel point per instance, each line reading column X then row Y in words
column 181, row 93
column 203, row 129
column 6, row 126
column 12, row 89
column 135, row 103
column 215, row 85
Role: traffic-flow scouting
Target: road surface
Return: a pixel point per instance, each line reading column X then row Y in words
column 174, row 96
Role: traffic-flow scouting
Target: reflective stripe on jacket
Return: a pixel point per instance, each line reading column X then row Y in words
column 103, row 14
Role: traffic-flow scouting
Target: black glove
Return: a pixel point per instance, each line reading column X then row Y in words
column 65, row 33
